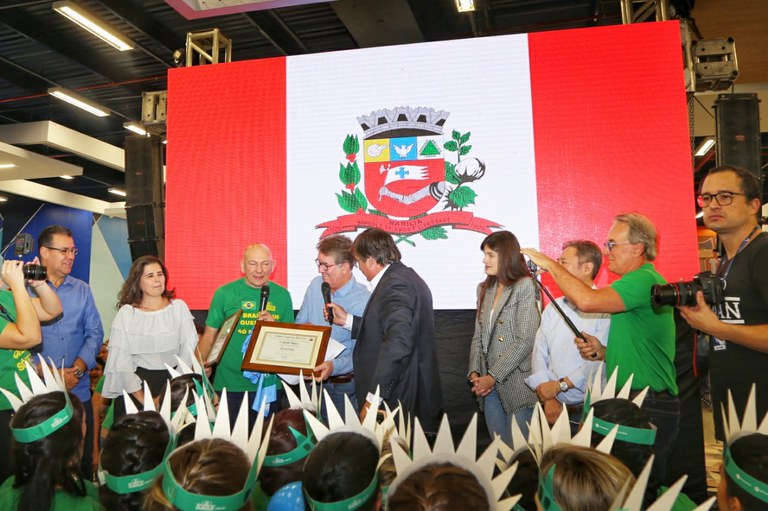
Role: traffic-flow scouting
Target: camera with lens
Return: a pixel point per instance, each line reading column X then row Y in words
column 22, row 245
column 684, row 293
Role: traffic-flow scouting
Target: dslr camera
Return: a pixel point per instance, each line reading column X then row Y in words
column 684, row 293
column 22, row 245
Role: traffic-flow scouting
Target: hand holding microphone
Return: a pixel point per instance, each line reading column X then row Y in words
column 325, row 289
column 264, row 315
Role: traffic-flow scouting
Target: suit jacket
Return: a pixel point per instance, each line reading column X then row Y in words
column 503, row 344
column 395, row 346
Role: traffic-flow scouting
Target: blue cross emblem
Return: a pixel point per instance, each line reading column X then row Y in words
column 402, row 172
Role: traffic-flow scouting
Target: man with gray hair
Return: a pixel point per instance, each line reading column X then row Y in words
column 559, row 374
column 641, row 339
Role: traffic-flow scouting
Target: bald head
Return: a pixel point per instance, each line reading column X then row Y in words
column 257, row 264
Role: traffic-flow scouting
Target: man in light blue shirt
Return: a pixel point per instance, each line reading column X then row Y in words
column 75, row 337
column 559, row 374
column 334, row 264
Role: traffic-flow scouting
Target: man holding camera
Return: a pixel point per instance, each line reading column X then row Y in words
column 641, row 339
column 730, row 199
column 76, row 336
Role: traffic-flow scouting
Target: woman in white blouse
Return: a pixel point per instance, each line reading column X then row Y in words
column 149, row 329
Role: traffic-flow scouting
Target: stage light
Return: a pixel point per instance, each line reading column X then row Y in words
column 465, row 5
column 3, row 198
column 79, row 101
column 117, row 191
column 135, row 127
column 7, row 165
column 68, row 178
column 76, row 14
column 705, row 147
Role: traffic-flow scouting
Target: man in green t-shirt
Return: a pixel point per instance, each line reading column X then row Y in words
column 245, row 293
column 641, row 340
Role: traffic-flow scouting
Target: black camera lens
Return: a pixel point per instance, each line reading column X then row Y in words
column 35, row 272
column 684, row 293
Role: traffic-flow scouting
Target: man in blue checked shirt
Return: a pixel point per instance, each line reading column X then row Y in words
column 75, row 337
column 558, row 372
column 334, row 264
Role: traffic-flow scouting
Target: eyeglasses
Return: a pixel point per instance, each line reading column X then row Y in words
column 610, row 244
column 722, row 198
column 64, row 251
column 324, row 266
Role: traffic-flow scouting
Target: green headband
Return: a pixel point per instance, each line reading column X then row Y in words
column 349, row 504
column 746, row 482
column 627, row 434
column 134, row 482
column 47, row 427
column 546, row 492
column 304, row 446
column 188, row 501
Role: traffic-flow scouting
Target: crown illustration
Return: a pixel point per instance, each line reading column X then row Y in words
column 52, row 382
column 463, row 456
column 251, row 444
column 735, row 430
column 596, row 393
column 423, row 119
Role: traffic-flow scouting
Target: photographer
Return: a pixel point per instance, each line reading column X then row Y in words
column 20, row 318
column 641, row 338
column 730, row 199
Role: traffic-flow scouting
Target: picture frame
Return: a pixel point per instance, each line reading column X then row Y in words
column 286, row 348
column 221, row 341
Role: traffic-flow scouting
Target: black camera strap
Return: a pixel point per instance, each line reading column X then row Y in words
column 725, row 265
column 7, row 315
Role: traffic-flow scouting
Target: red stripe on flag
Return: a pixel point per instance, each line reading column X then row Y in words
column 226, row 173
column 611, row 135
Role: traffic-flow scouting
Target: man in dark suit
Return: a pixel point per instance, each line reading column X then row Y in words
column 395, row 347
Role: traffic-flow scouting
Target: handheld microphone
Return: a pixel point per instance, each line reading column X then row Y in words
column 325, row 288
column 264, row 297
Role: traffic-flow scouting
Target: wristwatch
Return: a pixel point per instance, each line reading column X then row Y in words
column 79, row 373
column 563, row 385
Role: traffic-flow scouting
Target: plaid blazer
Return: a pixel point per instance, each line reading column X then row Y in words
column 502, row 344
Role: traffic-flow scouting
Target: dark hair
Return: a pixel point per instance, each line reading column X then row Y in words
column 624, row 413
column 211, row 467
column 377, row 244
column 750, row 186
column 750, row 453
column 46, row 235
column 184, row 383
column 512, row 265
column 339, row 247
column 587, row 252
column 131, row 293
column 339, row 467
column 135, row 444
column 52, row 462
column 282, row 441
column 526, row 479
column 439, row 486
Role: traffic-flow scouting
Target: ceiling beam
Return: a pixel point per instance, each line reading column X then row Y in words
column 22, row 77
column 44, row 193
column 379, row 22
column 272, row 27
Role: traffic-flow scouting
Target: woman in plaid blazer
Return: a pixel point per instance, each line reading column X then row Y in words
column 507, row 320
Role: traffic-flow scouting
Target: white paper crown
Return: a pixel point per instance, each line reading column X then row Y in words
column 304, row 400
column 596, row 393
column 463, row 456
column 183, row 368
column 735, row 428
column 174, row 421
column 52, row 382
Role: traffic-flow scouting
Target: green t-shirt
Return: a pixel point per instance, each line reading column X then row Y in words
column 11, row 361
column 641, row 340
column 226, row 301
column 62, row 501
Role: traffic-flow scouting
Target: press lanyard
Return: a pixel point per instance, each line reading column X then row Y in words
column 723, row 271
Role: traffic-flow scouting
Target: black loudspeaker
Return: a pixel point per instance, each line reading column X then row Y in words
column 737, row 121
column 145, row 196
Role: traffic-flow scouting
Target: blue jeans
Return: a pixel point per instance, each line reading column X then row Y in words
column 337, row 391
column 500, row 423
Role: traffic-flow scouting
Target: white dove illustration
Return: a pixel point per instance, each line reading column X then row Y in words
column 403, row 150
